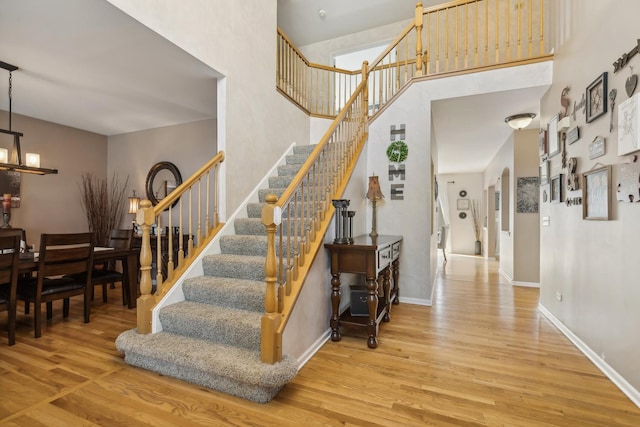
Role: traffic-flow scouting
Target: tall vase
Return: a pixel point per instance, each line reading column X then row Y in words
column 478, row 247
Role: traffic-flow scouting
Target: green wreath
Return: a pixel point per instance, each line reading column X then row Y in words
column 397, row 151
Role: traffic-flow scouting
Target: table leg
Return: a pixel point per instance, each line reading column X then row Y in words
column 386, row 286
column 130, row 279
column 395, row 265
column 372, row 303
column 335, row 307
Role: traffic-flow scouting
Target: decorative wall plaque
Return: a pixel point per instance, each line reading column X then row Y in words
column 573, row 135
column 597, row 147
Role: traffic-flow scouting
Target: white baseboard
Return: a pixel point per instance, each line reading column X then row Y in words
column 606, row 369
column 505, row 275
column 526, row 284
column 416, row 301
column 313, row 349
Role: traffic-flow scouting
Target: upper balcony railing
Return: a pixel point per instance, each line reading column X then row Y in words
column 461, row 36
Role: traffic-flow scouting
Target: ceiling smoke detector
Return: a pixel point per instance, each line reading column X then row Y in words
column 322, row 13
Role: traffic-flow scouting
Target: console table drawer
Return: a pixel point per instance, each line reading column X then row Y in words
column 384, row 257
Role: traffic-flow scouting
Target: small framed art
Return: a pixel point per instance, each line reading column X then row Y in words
column 544, row 172
column 597, row 98
column 556, row 189
column 553, row 142
column 463, row 204
column 542, row 143
column 596, row 194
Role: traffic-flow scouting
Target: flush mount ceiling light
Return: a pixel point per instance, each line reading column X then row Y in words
column 322, row 13
column 520, row 121
column 15, row 163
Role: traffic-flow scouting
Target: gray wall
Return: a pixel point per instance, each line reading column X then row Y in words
column 52, row 203
column 593, row 263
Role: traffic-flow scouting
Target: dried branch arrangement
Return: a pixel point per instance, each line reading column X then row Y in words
column 475, row 215
column 104, row 205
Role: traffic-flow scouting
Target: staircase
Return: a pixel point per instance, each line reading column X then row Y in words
column 212, row 338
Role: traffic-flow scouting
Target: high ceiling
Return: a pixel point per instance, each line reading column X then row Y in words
column 87, row 65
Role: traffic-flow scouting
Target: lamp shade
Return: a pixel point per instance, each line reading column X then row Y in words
column 4, row 155
column 33, row 160
column 374, row 192
column 134, row 203
column 520, row 121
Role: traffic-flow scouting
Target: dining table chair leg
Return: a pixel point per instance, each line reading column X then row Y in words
column 50, row 310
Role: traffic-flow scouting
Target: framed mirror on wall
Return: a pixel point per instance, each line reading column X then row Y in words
column 162, row 179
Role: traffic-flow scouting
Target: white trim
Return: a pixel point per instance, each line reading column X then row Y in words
column 313, row 349
column 606, row 369
column 526, row 284
column 416, row 301
column 505, row 275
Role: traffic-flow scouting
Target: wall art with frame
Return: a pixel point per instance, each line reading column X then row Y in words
column 463, row 204
column 596, row 194
column 553, row 142
column 597, row 98
column 556, row 189
column 544, row 172
column 542, row 143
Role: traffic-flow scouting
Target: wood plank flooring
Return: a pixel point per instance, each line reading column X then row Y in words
column 481, row 356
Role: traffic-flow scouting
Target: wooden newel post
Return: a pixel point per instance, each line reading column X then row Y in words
column 145, row 219
column 270, row 343
column 418, row 22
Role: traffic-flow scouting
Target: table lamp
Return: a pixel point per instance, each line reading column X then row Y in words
column 374, row 194
column 134, row 205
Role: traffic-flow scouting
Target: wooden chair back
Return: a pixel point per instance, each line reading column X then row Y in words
column 65, row 254
column 121, row 239
column 9, row 270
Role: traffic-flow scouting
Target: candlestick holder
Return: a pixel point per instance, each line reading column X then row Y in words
column 6, row 217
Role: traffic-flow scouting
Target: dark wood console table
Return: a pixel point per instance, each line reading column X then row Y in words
column 378, row 259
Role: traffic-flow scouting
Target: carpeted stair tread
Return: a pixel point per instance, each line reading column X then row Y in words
column 296, row 159
column 226, row 291
column 236, row 266
column 244, row 244
column 263, row 192
column 284, row 170
column 280, row 181
column 249, row 226
column 214, row 323
column 230, row 369
column 304, row 149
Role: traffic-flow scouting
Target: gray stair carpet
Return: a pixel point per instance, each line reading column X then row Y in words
column 213, row 337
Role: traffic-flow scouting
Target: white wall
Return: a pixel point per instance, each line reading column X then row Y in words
column 593, row 263
column 461, row 239
column 256, row 124
column 504, row 159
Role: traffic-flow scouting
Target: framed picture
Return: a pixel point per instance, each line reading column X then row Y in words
column 628, row 125
column 542, row 143
column 544, row 172
column 527, row 194
column 597, row 147
column 463, row 204
column 596, row 194
column 556, row 189
column 10, row 183
column 597, row 98
column 552, row 136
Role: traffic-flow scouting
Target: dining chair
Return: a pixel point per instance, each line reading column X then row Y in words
column 9, row 270
column 60, row 256
column 108, row 275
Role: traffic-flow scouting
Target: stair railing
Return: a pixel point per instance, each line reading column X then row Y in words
column 461, row 36
column 453, row 38
column 192, row 210
column 297, row 222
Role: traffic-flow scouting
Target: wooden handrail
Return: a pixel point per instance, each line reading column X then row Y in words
column 196, row 210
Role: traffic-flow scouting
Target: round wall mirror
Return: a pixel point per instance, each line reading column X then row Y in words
column 162, row 179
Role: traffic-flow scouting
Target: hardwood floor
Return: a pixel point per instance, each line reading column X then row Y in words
column 481, row 356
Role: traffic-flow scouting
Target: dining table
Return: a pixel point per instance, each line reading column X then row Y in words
column 128, row 257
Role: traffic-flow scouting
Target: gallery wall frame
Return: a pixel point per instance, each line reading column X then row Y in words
column 463, row 204
column 553, row 142
column 628, row 125
column 544, row 172
column 542, row 143
column 527, row 194
column 556, row 189
column 597, row 98
column 596, row 194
